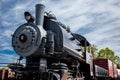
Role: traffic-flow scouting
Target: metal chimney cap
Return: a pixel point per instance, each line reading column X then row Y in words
column 40, row 5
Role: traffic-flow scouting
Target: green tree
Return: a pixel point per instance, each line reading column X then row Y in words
column 107, row 53
column 94, row 50
column 117, row 60
column 118, row 66
column 110, row 54
column 101, row 54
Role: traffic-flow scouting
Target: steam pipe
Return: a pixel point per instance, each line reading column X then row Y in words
column 39, row 14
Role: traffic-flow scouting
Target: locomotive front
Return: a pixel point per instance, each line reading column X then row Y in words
column 58, row 55
column 27, row 38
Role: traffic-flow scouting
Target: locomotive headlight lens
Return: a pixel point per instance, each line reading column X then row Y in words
column 23, row 38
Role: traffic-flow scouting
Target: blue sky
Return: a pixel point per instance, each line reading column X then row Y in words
column 97, row 20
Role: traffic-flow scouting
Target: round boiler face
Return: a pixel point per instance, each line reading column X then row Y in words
column 26, row 39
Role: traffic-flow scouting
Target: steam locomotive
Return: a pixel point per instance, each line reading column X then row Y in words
column 56, row 54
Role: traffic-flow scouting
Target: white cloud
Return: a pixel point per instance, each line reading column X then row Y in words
column 5, row 23
column 5, row 40
column 79, row 22
column 106, row 35
column 104, row 16
column 7, row 58
column 7, row 33
column 5, row 45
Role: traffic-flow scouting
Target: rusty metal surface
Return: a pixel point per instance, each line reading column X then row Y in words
column 108, row 65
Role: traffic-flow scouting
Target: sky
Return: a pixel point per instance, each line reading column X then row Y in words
column 97, row 20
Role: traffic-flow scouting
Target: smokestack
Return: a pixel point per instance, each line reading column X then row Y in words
column 39, row 14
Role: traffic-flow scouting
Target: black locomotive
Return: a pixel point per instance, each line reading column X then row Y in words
column 52, row 51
